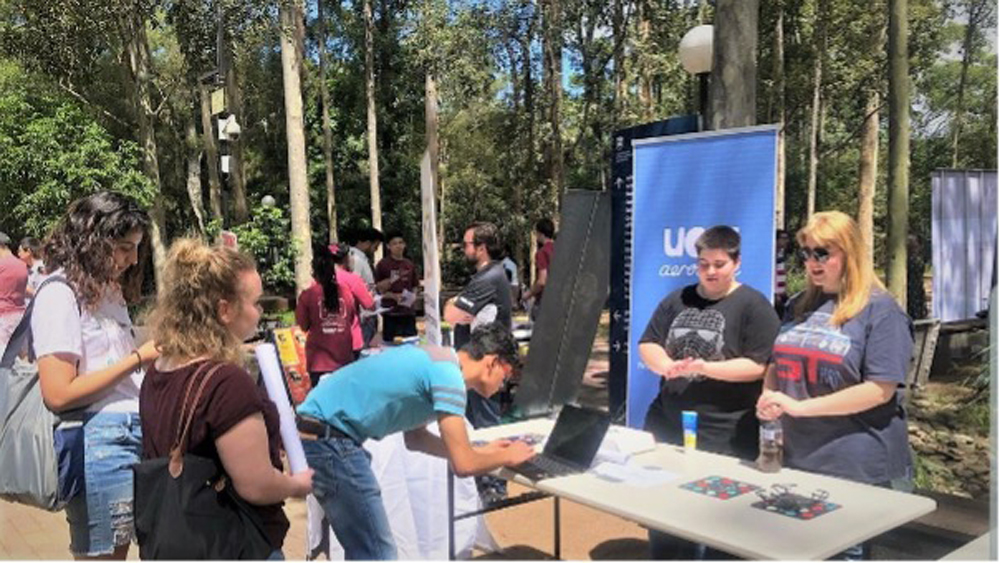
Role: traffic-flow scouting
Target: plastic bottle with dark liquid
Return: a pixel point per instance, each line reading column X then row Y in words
column 771, row 446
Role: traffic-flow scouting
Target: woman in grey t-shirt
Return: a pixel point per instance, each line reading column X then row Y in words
column 839, row 362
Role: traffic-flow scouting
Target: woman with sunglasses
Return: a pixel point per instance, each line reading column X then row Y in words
column 838, row 365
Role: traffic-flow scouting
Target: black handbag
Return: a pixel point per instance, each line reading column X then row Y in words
column 185, row 506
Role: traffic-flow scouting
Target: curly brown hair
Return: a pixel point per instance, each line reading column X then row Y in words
column 82, row 244
column 185, row 323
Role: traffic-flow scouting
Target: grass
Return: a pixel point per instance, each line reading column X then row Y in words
column 976, row 415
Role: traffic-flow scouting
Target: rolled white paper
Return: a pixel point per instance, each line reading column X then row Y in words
column 270, row 371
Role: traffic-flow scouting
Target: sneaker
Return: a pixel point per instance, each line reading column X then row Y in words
column 492, row 497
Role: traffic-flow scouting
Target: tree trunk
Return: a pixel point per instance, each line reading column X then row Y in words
column 552, row 38
column 621, row 87
column 645, row 81
column 324, row 90
column 137, row 53
column 974, row 10
column 530, row 177
column 868, row 172
column 298, row 185
column 733, row 95
column 815, row 125
column 868, row 161
column 193, row 183
column 373, row 179
column 899, row 149
column 211, row 154
column 778, row 97
column 234, row 103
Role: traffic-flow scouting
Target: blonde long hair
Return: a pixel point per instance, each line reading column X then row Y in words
column 185, row 323
column 858, row 279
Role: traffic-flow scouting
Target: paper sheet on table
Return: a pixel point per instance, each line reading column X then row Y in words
column 635, row 475
column 620, row 444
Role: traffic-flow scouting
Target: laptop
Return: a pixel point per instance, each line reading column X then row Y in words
column 570, row 449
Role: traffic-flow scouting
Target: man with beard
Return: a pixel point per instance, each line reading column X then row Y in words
column 484, row 300
column 710, row 343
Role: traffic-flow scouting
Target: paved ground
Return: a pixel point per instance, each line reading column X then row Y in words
column 29, row 533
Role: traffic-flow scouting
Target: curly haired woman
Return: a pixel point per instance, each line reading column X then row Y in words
column 89, row 368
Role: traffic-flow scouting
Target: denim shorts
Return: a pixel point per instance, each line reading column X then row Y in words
column 101, row 516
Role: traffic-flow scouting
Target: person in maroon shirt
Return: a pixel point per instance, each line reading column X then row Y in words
column 545, row 234
column 208, row 307
column 328, row 313
column 396, row 279
column 363, row 300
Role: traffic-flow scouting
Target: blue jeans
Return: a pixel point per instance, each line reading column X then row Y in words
column 350, row 496
column 665, row 546
column 101, row 516
column 862, row 551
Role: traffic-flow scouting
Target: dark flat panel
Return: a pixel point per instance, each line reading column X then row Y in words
column 575, row 295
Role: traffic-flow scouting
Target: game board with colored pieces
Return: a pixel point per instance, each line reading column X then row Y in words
column 797, row 506
column 718, row 487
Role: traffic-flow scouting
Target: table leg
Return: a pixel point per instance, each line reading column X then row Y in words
column 451, row 515
column 558, row 542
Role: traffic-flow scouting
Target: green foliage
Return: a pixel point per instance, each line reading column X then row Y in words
column 52, row 152
column 486, row 57
column 266, row 237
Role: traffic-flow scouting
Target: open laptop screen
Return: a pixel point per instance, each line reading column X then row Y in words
column 577, row 435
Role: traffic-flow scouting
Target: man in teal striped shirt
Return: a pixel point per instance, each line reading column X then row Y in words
column 400, row 390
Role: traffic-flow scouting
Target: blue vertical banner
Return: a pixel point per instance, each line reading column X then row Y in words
column 684, row 184
column 621, row 247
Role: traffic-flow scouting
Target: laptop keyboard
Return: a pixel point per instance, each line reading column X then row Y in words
column 545, row 467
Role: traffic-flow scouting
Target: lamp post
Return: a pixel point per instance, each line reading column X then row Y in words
column 695, row 53
column 267, row 201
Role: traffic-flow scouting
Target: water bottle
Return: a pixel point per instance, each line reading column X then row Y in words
column 771, row 446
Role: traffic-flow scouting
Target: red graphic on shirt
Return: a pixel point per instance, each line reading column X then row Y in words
column 793, row 360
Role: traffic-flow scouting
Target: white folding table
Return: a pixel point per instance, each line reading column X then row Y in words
column 731, row 525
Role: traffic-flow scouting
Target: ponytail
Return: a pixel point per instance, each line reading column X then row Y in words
column 325, row 273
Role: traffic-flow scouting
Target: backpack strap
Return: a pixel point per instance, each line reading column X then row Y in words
column 22, row 334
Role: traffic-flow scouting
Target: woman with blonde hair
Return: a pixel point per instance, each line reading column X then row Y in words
column 207, row 308
column 839, row 363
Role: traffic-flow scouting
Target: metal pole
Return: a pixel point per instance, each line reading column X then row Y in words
column 451, row 515
column 558, row 542
column 703, row 99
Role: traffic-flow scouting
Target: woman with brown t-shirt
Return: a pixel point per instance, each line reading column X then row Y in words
column 208, row 307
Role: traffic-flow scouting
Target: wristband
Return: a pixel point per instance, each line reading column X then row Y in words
column 138, row 357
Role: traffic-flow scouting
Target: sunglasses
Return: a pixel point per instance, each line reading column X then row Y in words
column 818, row 254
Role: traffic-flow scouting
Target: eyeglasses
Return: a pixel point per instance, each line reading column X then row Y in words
column 818, row 254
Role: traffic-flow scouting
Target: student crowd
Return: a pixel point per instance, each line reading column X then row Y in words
column 830, row 368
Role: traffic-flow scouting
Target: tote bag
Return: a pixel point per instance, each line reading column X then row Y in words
column 185, row 506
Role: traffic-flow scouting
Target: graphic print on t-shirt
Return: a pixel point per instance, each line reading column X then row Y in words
column 333, row 323
column 696, row 333
column 811, row 355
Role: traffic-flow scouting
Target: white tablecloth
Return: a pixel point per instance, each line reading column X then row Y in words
column 415, row 494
